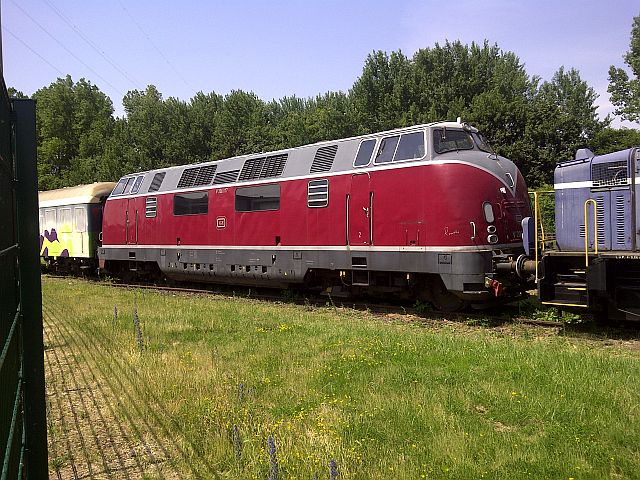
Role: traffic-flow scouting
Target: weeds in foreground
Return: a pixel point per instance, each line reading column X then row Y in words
column 345, row 395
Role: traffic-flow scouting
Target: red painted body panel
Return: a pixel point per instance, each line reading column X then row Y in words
column 425, row 205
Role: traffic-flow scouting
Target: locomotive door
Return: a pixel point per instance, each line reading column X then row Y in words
column 131, row 222
column 360, row 211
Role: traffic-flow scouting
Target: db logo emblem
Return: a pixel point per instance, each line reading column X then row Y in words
column 221, row 222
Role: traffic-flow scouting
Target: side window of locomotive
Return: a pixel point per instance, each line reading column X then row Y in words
column 446, row 140
column 129, row 184
column 411, row 146
column 120, row 187
column 364, row 153
column 257, row 199
column 196, row 203
column 81, row 220
column 318, row 193
column 137, row 183
column 386, row 149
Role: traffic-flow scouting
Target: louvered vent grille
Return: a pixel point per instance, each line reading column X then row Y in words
column 318, row 193
column 151, row 207
column 620, row 230
column 323, row 161
column 205, row 175
column 263, row 167
column 600, row 219
column 273, row 166
column 197, row 176
column 251, row 168
column 157, row 182
column 609, row 174
column 226, row 177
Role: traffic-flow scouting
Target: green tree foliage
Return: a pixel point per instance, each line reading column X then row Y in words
column 74, row 121
column 534, row 123
column 625, row 91
column 13, row 93
column 562, row 118
column 613, row 139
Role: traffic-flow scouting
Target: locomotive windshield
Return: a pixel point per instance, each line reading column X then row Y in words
column 446, row 140
column 482, row 143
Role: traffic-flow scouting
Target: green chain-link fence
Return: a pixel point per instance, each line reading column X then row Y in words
column 23, row 438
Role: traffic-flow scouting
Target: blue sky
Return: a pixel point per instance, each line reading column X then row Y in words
column 278, row 48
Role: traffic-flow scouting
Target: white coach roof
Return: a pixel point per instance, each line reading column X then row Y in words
column 75, row 195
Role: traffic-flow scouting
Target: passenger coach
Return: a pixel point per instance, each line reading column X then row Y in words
column 426, row 211
column 70, row 225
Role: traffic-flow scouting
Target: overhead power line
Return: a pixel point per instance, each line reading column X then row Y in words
column 4, row 28
column 153, row 44
column 91, row 44
column 67, row 50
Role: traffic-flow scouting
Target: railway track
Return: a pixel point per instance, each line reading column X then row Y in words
column 490, row 317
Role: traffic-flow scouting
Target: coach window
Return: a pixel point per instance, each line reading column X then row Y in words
column 256, row 199
column 81, row 219
column 50, row 218
column 196, row 203
column 364, row 153
column 137, row 183
column 411, row 146
column 386, row 149
column 65, row 220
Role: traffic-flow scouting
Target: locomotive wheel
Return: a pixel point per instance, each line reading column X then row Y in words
column 443, row 299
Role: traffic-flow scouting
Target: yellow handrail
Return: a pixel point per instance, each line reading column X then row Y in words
column 586, row 229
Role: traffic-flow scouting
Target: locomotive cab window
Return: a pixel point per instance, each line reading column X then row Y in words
column 196, row 203
column 398, row 148
column 256, row 199
column 411, row 146
column 447, row 140
column 120, row 187
column 137, row 183
column 364, row 153
column 482, row 143
column 387, row 149
column 128, row 185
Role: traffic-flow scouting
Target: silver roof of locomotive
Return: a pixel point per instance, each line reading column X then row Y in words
column 299, row 160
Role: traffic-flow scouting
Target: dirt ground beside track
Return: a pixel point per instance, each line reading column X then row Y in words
column 88, row 436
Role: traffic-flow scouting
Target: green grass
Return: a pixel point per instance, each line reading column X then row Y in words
column 384, row 397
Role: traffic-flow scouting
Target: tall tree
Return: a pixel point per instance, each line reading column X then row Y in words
column 147, row 128
column 74, row 121
column 378, row 93
column 625, row 91
column 562, row 118
column 13, row 93
column 242, row 126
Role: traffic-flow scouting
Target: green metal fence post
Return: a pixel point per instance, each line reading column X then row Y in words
column 30, row 289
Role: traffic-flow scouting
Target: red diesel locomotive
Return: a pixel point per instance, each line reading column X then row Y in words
column 426, row 212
